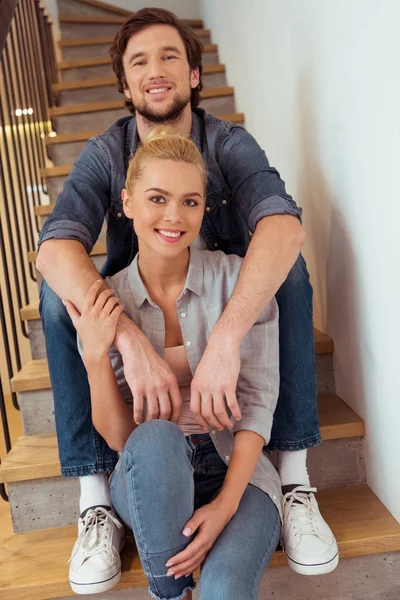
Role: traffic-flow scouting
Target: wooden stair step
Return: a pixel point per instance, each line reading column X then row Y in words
column 77, row 63
column 97, row 250
column 108, row 39
column 372, row 530
column 110, row 20
column 74, row 109
column 108, row 81
column 68, row 138
column 36, row 456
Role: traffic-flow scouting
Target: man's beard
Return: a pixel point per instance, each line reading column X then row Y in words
column 178, row 105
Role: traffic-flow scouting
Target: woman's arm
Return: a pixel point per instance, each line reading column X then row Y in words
column 96, row 326
column 247, row 448
column 111, row 416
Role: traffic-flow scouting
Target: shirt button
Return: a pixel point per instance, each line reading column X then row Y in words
column 227, row 458
column 224, row 201
column 216, row 244
column 274, row 497
column 188, row 343
column 208, row 209
column 119, row 215
column 183, row 315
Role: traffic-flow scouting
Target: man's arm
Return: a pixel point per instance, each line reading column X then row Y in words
column 260, row 198
column 274, row 248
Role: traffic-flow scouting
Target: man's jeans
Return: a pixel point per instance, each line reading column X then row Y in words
column 160, row 480
column 82, row 450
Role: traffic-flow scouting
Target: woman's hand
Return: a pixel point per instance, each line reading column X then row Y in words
column 97, row 323
column 210, row 520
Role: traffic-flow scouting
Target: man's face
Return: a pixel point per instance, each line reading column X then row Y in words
column 157, row 73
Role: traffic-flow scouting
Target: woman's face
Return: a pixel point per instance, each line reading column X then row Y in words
column 166, row 205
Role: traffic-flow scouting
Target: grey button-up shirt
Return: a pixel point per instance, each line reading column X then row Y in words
column 211, row 279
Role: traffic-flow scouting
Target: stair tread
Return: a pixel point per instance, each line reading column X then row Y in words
column 108, row 81
column 108, row 39
column 110, row 20
column 371, row 530
column 72, row 109
column 93, row 61
column 97, row 250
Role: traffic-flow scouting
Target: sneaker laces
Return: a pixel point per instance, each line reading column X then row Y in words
column 306, row 509
column 97, row 529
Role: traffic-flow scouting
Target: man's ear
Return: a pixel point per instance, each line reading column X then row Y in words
column 194, row 77
column 127, row 203
column 127, row 92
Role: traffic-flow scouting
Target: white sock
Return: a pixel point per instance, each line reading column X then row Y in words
column 94, row 491
column 292, row 468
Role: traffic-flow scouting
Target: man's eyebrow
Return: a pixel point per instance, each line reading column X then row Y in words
column 164, row 49
column 160, row 191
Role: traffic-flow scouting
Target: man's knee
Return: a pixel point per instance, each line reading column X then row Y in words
column 51, row 307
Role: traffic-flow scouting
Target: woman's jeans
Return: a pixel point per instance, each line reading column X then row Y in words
column 160, row 480
column 83, row 451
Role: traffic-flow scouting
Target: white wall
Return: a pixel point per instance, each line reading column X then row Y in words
column 318, row 82
column 185, row 9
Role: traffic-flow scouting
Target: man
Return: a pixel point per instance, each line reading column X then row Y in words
column 157, row 61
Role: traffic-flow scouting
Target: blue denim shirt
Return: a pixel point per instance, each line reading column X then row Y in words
column 242, row 189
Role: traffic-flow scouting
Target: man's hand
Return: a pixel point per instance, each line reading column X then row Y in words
column 210, row 520
column 151, row 382
column 214, row 384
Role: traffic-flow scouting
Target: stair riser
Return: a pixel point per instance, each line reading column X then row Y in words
column 81, row 30
column 373, row 577
column 93, row 120
column 337, row 463
column 71, row 7
column 103, row 119
column 110, row 92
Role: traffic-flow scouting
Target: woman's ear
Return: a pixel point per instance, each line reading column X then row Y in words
column 127, row 203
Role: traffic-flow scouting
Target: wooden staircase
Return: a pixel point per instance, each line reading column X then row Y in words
column 44, row 506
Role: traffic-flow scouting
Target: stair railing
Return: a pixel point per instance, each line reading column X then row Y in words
column 28, row 70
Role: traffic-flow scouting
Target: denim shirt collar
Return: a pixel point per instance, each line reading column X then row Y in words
column 132, row 138
column 194, row 279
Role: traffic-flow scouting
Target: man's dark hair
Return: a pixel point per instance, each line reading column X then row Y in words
column 157, row 16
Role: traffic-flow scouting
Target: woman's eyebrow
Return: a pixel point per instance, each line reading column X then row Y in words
column 160, row 191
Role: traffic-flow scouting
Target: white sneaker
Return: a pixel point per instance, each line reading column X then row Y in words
column 95, row 560
column 307, row 540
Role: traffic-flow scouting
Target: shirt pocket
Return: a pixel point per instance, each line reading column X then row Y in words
column 119, row 228
column 223, row 214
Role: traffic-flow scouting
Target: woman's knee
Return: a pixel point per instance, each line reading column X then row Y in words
column 157, row 440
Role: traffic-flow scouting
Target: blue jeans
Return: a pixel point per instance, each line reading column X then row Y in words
column 83, row 451
column 160, row 480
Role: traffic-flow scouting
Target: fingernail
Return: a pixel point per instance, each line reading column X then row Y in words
column 178, row 576
column 63, row 301
column 187, row 531
column 169, row 564
column 170, row 573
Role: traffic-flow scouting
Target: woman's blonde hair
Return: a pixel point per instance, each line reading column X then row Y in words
column 164, row 143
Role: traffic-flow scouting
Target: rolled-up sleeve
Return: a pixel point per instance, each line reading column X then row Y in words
column 257, row 189
column 83, row 202
column 258, row 384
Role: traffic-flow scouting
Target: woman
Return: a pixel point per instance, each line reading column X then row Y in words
column 192, row 497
